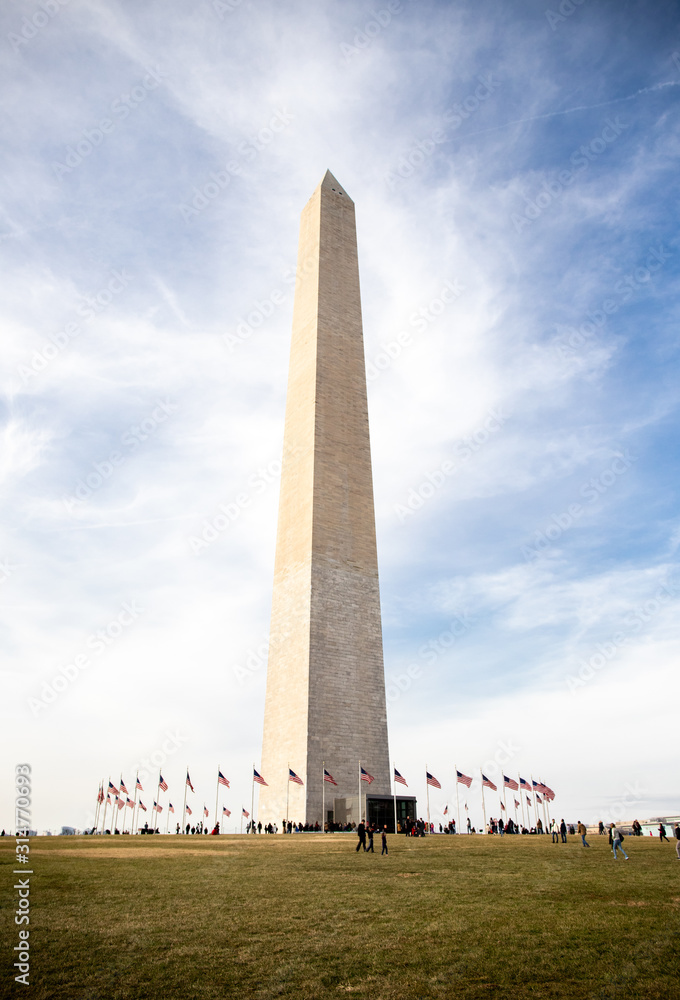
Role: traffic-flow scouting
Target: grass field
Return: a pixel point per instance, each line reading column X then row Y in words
column 305, row 916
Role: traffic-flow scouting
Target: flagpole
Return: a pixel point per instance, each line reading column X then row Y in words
column 533, row 791
column 505, row 808
column 184, row 807
column 252, row 799
column 217, row 798
column 427, row 792
column 483, row 803
column 106, row 802
column 124, row 815
column 359, row 793
column 521, row 800
column 323, row 797
column 394, row 786
column 287, row 792
column 96, row 813
column 241, row 819
column 546, row 811
column 457, row 801
column 134, row 807
column 167, row 819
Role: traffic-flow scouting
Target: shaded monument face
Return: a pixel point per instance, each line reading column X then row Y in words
column 325, row 697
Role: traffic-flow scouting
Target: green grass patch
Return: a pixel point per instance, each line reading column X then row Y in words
column 305, row 916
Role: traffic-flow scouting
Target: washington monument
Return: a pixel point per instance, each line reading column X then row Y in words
column 325, row 701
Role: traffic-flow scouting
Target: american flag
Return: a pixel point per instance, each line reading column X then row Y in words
column 549, row 794
column 502, row 807
column 431, row 780
column 446, row 810
column 221, row 780
column 205, row 811
column 528, row 801
column 292, row 776
column 122, row 786
column 189, row 781
column 108, row 797
column 129, row 803
column 157, row 808
column 100, row 794
column 516, row 804
column 171, row 808
column 141, row 805
column 138, row 785
column 225, row 811
column 329, row 777
column 121, row 804
column 463, row 778
column 538, row 798
column 488, row 783
column 510, row 783
column 399, row 778
column 162, row 783
column 189, row 810
column 365, row 776
column 259, row 779
column 246, row 813
column 112, row 788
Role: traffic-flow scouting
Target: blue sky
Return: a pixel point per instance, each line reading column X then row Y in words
column 514, row 171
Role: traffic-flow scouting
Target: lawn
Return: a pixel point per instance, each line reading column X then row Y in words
column 305, row 916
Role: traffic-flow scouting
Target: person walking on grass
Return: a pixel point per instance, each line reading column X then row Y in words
column 617, row 837
column 370, row 832
column 582, row 833
column 361, row 834
column 563, row 831
column 384, row 840
column 676, row 831
column 662, row 833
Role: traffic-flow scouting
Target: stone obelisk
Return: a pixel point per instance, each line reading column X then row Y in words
column 325, row 698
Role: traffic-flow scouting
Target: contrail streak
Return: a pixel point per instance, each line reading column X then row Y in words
column 569, row 111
